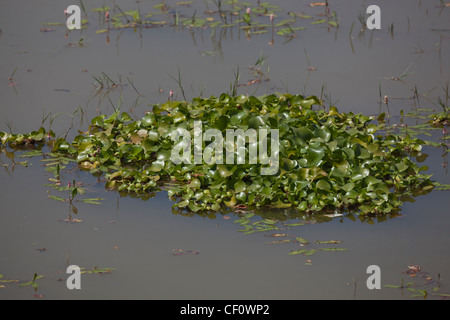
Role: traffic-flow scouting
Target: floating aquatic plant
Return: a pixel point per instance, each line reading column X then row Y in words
column 328, row 161
column 33, row 283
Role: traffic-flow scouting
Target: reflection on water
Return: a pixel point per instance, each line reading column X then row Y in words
column 62, row 79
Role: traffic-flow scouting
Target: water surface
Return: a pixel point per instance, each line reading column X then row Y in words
column 54, row 75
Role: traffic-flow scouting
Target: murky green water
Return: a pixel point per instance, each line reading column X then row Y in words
column 53, row 75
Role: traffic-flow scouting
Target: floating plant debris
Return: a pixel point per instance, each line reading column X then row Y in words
column 33, row 283
column 182, row 252
column 253, row 19
column 422, row 284
column 97, row 270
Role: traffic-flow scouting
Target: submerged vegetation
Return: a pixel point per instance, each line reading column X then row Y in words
column 328, row 161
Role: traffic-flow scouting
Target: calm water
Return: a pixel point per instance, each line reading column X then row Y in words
column 54, row 75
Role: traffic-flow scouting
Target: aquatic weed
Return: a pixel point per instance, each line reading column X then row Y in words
column 328, row 160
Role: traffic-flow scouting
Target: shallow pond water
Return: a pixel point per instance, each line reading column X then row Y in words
column 155, row 254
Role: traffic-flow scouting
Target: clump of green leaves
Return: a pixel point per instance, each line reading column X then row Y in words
column 24, row 140
column 256, row 226
column 329, row 161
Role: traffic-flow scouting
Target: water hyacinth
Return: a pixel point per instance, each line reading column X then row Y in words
column 328, row 161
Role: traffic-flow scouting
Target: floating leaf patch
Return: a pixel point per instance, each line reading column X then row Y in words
column 327, row 161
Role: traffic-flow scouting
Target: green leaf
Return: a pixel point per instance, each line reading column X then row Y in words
column 74, row 191
column 239, row 186
column 148, row 120
column 314, row 155
column 319, row 21
column 323, row 185
column 328, row 242
column 183, row 204
column 223, row 171
column 421, row 293
column 309, row 252
column 31, row 154
column 93, row 200
column 302, row 240
column 222, row 123
column 401, row 166
column 255, row 122
column 195, row 184
column 231, row 202
column 294, row 224
column 391, row 286
column 56, row 198
column 249, row 215
column 294, row 252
